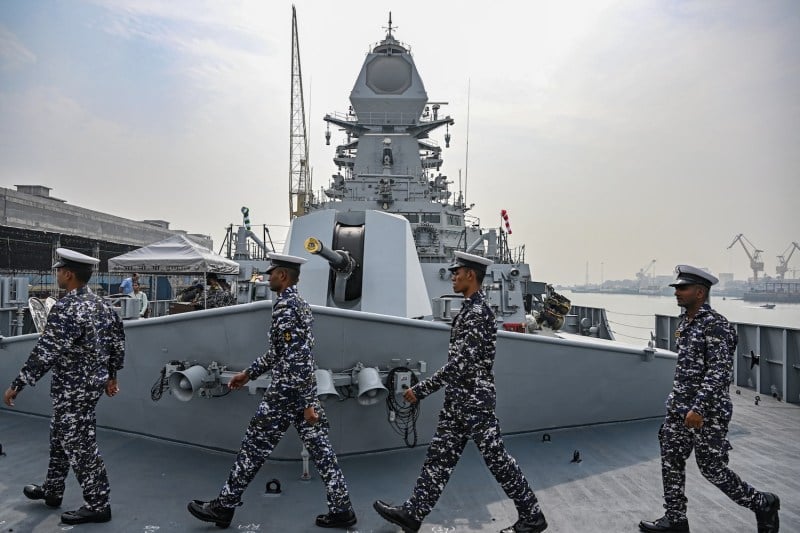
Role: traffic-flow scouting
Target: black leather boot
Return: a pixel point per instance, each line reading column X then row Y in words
column 767, row 517
column 664, row 525
column 397, row 516
column 35, row 492
column 342, row 520
column 211, row 512
column 84, row 515
column 523, row 526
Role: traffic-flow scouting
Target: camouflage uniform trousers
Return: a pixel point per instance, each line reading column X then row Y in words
column 711, row 452
column 73, row 444
column 266, row 429
column 444, row 451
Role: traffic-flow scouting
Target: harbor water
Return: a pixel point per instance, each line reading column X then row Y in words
column 632, row 316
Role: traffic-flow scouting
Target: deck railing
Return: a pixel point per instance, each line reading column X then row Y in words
column 767, row 357
column 589, row 321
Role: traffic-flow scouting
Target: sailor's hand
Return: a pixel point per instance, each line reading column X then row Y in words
column 111, row 387
column 410, row 396
column 238, row 381
column 311, row 416
column 694, row 420
column 9, row 395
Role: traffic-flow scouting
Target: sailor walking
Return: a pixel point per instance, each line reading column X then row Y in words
column 84, row 344
column 468, row 412
column 290, row 399
column 699, row 410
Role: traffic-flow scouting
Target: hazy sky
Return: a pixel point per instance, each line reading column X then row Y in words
column 613, row 132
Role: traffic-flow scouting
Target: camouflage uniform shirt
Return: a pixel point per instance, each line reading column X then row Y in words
column 218, row 298
column 83, row 342
column 468, row 371
column 706, row 344
column 288, row 355
column 468, row 413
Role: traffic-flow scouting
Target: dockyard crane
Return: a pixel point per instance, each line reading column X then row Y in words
column 783, row 260
column 299, row 173
column 643, row 272
column 755, row 256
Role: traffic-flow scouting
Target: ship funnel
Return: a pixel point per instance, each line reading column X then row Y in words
column 184, row 384
column 325, row 387
column 370, row 387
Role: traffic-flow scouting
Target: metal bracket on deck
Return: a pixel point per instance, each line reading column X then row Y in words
column 648, row 354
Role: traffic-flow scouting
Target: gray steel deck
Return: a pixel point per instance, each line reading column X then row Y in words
column 616, row 484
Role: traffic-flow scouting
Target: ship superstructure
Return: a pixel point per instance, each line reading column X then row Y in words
column 389, row 163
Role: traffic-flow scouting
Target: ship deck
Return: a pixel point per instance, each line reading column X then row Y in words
column 616, row 484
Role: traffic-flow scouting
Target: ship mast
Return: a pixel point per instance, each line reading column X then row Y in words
column 299, row 176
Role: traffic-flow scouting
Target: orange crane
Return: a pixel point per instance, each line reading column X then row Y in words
column 755, row 257
column 783, row 260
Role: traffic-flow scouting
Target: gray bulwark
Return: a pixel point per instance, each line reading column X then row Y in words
column 767, row 357
column 616, row 484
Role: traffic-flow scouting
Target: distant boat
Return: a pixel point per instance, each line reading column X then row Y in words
column 767, row 306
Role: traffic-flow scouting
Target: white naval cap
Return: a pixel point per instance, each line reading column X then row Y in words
column 285, row 261
column 71, row 258
column 689, row 275
column 475, row 262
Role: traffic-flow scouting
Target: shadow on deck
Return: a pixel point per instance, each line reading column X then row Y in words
column 616, row 484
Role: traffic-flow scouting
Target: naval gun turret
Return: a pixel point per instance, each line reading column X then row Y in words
column 343, row 265
column 370, row 265
column 340, row 260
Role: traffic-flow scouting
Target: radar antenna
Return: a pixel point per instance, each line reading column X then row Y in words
column 390, row 27
column 300, row 188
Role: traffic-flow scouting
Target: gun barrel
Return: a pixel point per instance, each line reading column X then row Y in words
column 338, row 261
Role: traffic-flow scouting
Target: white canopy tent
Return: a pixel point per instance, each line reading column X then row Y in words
column 175, row 255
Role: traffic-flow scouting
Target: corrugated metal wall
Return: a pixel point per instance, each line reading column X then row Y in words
column 30, row 251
